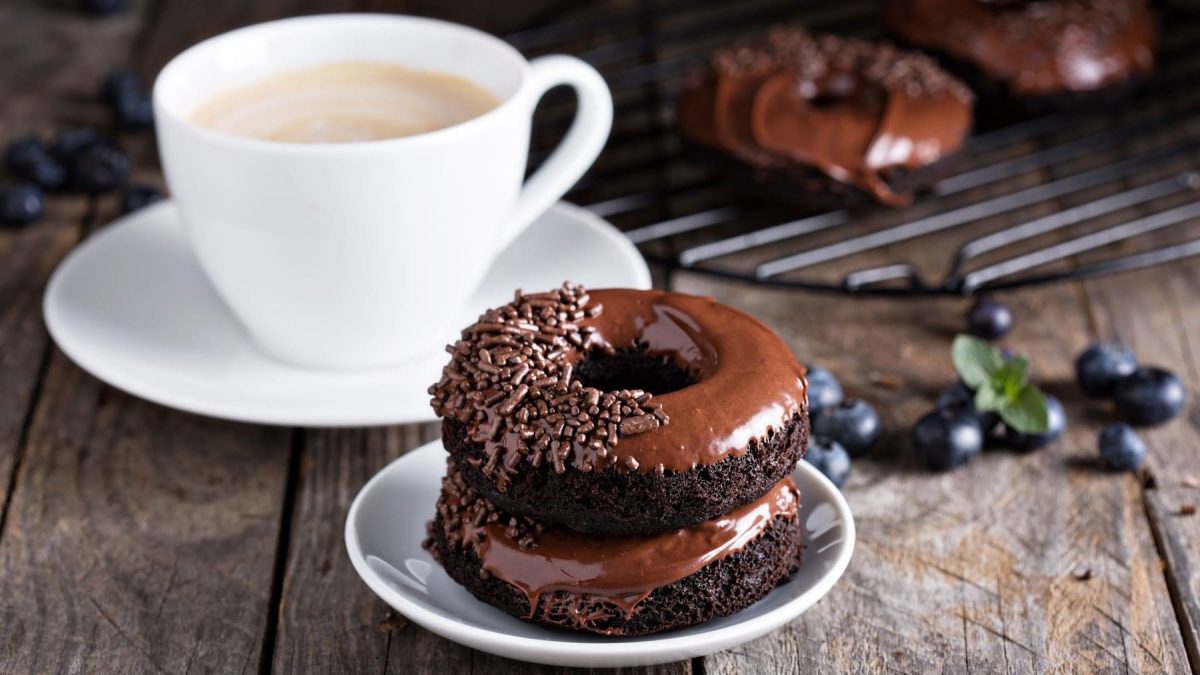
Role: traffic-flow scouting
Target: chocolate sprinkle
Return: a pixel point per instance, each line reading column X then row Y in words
column 812, row 56
column 1038, row 47
column 458, row 504
column 511, row 381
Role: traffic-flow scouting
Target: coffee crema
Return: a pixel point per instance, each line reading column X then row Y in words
column 344, row 102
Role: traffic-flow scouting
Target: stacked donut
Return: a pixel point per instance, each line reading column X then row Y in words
column 619, row 460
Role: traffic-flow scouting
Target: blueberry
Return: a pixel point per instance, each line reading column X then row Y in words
column 961, row 399
column 70, row 142
column 23, row 153
column 830, row 458
column 989, row 319
column 943, row 439
column 824, row 391
column 1121, row 448
column 99, row 167
column 121, row 82
column 1150, row 396
column 957, row 397
column 103, row 7
column 126, row 94
column 134, row 111
column 1057, row 423
column 1101, row 366
column 853, row 424
column 47, row 174
column 28, row 158
column 134, row 197
column 20, row 204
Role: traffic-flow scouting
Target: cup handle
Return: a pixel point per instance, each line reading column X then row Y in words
column 578, row 149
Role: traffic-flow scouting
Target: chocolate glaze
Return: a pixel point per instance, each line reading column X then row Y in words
column 1035, row 48
column 851, row 109
column 749, row 383
column 511, row 380
column 620, row 570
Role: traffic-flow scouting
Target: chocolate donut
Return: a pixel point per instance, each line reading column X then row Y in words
column 1044, row 52
column 826, row 122
column 616, row 585
column 621, row 411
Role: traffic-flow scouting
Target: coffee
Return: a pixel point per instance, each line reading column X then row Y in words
column 344, row 102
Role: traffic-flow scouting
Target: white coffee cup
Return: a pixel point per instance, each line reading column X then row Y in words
column 356, row 255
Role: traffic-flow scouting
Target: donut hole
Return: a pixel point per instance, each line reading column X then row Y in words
column 843, row 90
column 635, row 368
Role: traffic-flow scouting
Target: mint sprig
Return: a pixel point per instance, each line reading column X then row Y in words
column 1001, row 384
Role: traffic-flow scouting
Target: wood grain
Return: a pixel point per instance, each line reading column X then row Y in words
column 328, row 619
column 1134, row 309
column 975, row 569
column 26, row 259
column 1177, row 526
column 138, row 539
column 40, row 88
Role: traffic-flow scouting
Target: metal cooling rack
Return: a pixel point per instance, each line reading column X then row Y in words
column 1065, row 196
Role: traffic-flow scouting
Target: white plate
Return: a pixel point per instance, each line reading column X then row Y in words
column 131, row 306
column 387, row 523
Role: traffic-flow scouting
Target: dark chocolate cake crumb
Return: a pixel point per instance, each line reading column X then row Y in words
column 614, row 501
column 721, row 588
column 511, row 380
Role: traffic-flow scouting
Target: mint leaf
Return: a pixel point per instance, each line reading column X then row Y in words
column 975, row 360
column 1012, row 376
column 1026, row 412
column 1001, row 384
column 990, row 399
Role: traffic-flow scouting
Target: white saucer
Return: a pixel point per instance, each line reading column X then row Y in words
column 131, row 306
column 387, row 523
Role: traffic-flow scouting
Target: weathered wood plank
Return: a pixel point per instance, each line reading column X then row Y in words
column 329, row 620
column 975, row 569
column 493, row 665
column 138, row 539
column 1173, row 514
column 26, row 259
column 40, row 88
column 1156, row 314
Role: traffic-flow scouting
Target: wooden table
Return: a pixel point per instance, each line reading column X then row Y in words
column 134, row 538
